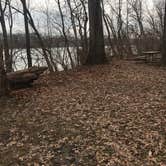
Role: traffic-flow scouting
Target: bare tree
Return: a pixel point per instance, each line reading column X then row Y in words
column 3, row 81
column 8, row 59
column 82, row 19
column 73, row 22
column 11, row 23
column 45, row 51
column 27, row 34
column 137, row 7
column 64, row 34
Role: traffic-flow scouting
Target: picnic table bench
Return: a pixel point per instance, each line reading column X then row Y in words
column 150, row 56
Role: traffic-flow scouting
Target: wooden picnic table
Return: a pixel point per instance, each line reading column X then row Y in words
column 151, row 55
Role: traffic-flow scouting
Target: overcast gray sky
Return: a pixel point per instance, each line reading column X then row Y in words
column 37, row 5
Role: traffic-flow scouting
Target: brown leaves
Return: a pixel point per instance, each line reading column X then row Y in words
column 104, row 115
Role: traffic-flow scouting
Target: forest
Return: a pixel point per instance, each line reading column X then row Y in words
column 82, row 82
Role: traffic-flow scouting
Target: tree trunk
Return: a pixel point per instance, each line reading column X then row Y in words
column 65, row 35
column 8, row 59
column 96, row 53
column 164, row 41
column 3, row 80
column 24, row 78
column 31, row 22
column 74, row 30
column 27, row 34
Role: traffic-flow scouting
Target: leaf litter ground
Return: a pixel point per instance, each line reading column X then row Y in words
column 112, row 115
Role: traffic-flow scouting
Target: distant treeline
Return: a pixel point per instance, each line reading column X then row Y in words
column 19, row 41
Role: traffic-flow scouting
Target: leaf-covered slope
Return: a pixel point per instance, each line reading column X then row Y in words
column 104, row 115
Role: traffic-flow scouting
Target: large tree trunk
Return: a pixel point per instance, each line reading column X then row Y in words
column 164, row 41
column 3, row 80
column 27, row 34
column 96, row 53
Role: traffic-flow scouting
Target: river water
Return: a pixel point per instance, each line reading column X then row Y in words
column 59, row 55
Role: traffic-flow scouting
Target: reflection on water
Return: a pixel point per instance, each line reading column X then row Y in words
column 59, row 55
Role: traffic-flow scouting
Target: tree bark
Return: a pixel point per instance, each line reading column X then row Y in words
column 24, row 78
column 8, row 59
column 64, row 34
column 74, row 30
column 27, row 34
column 96, row 53
column 3, row 81
column 31, row 22
column 163, row 61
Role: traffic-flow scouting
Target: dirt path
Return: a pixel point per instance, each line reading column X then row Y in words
column 105, row 115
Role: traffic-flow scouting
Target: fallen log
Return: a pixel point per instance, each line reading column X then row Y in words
column 24, row 78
